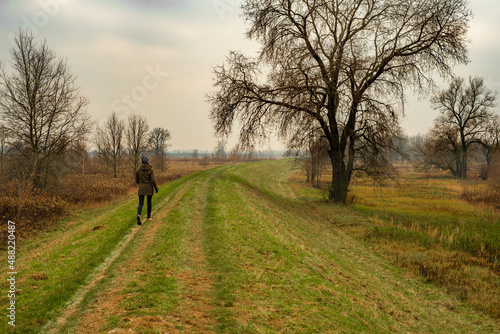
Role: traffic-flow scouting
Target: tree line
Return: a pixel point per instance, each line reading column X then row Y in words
column 132, row 139
column 464, row 136
column 45, row 130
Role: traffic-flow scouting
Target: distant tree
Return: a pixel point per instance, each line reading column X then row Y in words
column 195, row 154
column 110, row 141
column 463, row 122
column 205, row 160
column 340, row 67
column 312, row 156
column 220, row 151
column 250, row 153
column 235, row 155
column 490, row 143
column 402, row 150
column 415, row 148
column 137, row 139
column 77, row 156
column 158, row 141
column 40, row 102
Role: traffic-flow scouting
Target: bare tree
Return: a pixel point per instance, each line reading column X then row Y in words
column 220, row 151
column 438, row 150
column 318, row 148
column 76, row 157
column 337, row 66
column 137, row 139
column 463, row 122
column 312, row 156
column 205, row 160
column 490, row 142
column 235, row 155
column 158, row 140
column 40, row 100
column 5, row 145
column 109, row 141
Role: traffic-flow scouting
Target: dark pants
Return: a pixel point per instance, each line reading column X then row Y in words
column 141, row 204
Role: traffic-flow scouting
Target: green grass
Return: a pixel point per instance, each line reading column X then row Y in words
column 66, row 265
column 66, row 257
column 237, row 250
column 292, row 251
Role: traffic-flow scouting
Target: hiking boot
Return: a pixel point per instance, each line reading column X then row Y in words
column 149, row 218
column 139, row 220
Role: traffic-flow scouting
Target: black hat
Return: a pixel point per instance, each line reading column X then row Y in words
column 145, row 159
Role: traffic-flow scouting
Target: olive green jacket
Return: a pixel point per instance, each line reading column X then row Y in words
column 145, row 178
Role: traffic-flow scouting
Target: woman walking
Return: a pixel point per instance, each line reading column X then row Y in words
column 145, row 178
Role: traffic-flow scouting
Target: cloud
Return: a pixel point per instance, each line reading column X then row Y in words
column 155, row 4
column 110, row 44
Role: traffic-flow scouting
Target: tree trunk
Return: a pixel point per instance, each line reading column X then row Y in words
column 162, row 161
column 458, row 165
column 114, row 169
column 37, row 169
column 464, row 164
column 37, row 176
column 486, row 173
column 136, row 162
column 340, row 182
column 313, row 170
column 307, row 165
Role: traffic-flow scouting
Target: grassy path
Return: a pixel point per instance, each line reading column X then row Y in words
column 231, row 251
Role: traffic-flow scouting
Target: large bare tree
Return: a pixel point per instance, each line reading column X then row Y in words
column 110, row 141
column 41, row 104
column 137, row 138
column 465, row 120
column 339, row 66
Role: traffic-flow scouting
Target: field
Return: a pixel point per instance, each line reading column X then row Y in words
column 422, row 223
column 251, row 248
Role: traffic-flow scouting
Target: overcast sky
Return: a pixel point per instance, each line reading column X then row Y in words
column 155, row 57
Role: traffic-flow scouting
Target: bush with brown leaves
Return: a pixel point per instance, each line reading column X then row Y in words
column 27, row 206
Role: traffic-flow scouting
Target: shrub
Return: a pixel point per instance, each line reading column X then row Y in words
column 28, row 207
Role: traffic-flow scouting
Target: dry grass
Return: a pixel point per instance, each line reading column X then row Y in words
column 442, row 228
column 91, row 188
column 481, row 194
column 485, row 192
